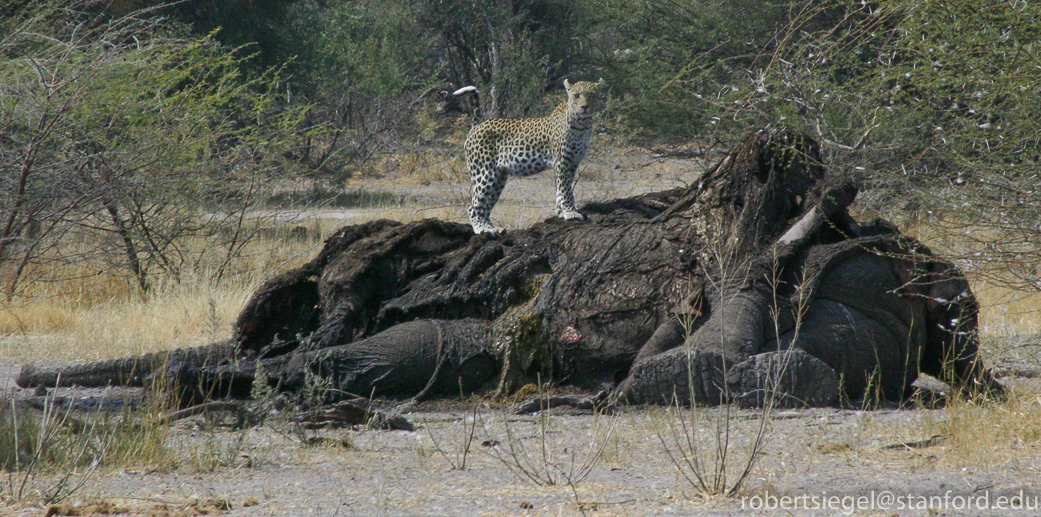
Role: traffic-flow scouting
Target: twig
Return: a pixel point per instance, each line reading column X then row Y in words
column 246, row 418
column 932, row 441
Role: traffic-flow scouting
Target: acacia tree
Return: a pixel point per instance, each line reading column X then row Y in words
column 933, row 105
column 118, row 141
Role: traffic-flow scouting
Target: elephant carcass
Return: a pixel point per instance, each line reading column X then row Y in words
column 856, row 319
column 428, row 308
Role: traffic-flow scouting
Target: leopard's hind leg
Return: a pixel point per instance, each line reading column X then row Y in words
column 487, row 184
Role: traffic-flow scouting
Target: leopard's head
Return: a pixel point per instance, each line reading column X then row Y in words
column 584, row 97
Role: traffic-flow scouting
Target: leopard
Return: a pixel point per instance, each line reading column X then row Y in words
column 499, row 148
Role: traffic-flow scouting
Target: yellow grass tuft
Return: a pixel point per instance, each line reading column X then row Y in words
column 180, row 316
column 1005, row 311
column 988, row 434
column 91, row 317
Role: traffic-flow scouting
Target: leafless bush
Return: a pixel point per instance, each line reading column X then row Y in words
column 537, row 459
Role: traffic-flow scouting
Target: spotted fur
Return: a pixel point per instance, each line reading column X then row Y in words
column 499, row 148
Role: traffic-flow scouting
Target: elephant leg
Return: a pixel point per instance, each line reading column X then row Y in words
column 695, row 372
column 668, row 335
column 416, row 358
column 792, row 378
column 684, row 376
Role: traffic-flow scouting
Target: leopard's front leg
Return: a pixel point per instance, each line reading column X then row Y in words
column 565, row 206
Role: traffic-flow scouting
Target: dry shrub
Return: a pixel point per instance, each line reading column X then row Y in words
column 536, row 456
column 423, row 166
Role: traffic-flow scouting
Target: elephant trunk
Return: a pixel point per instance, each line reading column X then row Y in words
column 739, row 324
column 125, row 371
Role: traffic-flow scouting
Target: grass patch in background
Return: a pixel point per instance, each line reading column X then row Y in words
column 78, row 314
column 991, row 434
column 321, row 197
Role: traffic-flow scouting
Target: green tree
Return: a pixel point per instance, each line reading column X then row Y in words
column 365, row 66
column 258, row 25
column 119, row 145
column 669, row 62
column 512, row 50
column 933, row 105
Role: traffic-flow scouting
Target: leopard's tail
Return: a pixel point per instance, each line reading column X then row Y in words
column 476, row 102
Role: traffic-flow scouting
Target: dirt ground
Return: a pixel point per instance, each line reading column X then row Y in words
column 484, row 461
column 473, row 458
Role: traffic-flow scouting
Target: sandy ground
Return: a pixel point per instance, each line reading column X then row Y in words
column 563, row 463
column 824, row 461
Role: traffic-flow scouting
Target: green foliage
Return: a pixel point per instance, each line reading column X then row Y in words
column 931, row 104
column 122, row 139
column 670, row 62
column 256, row 24
column 936, row 80
column 363, row 65
column 359, row 49
column 511, row 51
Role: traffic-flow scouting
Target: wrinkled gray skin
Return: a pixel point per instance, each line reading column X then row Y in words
column 873, row 319
column 125, row 371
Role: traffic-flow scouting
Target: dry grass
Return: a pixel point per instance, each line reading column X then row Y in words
column 51, row 328
column 1005, row 311
column 989, row 434
column 49, row 455
column 79, row 316
column 424, row 168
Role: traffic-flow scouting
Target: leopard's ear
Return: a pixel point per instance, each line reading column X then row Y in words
column 567, row 85
column 600, row 83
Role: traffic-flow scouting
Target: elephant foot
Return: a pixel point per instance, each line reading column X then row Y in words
column 789, row 379
column 681, row 376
